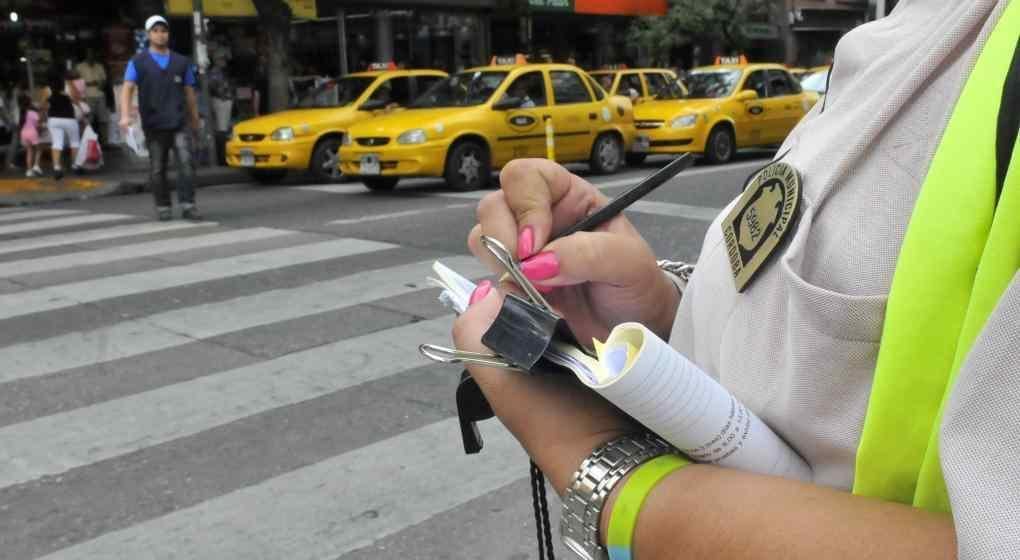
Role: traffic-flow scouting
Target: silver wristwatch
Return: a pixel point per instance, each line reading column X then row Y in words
column 592, row 484
column 682, row 270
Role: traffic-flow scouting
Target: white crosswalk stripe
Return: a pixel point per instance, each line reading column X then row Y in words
column 148, row 249
column 68, row 221
column 87, row 236
column 91, row 439
column 18, row 214
column 76, row 293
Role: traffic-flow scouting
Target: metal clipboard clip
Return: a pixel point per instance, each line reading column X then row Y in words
column 522, row 331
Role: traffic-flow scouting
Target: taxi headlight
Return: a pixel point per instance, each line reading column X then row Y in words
column 283, row 134
column 684, row 121
column 415, row 136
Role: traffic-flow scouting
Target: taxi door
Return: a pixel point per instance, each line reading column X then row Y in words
column 520, row 132
column 575, row 114
column 750, row 115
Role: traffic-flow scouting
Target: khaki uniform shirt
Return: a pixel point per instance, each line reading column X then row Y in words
column 799, row 346
column 94, row 76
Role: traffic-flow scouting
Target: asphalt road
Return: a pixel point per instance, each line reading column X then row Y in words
column 249, row 387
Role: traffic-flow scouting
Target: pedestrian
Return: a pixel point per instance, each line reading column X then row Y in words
column 94, row 74
column 62, row 122
column 871, row 321
column 29, row 130
column 165, row 81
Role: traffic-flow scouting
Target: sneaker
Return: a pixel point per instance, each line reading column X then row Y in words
column 77, row 170
column 191, row 213
column 37, row 171
column 30, row 173
column 164, row 214
column 58, row 173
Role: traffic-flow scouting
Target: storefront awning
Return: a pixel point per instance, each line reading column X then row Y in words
column 304, row 9
column 603, row 7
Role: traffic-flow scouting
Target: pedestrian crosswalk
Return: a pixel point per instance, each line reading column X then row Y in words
column 188, row 390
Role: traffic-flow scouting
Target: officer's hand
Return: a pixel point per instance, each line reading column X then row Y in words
column 558, row 421
column 596, row 280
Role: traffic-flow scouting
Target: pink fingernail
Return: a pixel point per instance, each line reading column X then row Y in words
column 480, row 292
column 526, row 243
column 542, row 266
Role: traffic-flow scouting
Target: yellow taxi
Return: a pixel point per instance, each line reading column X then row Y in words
column 481, row 118
column 639, row 84
column 308, row 138
column 728, row 106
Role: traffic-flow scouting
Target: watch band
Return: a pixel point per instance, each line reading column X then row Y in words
column 592, row 484
column 681, row 269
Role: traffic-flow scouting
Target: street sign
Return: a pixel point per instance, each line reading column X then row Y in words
column 551, row 5
column 760, row 31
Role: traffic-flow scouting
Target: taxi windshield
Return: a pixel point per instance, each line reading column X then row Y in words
column 350, row 88
column 712, row 83
column 669, row 91
column 461, row 90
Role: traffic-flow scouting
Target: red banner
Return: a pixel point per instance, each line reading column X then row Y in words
column 622, row 7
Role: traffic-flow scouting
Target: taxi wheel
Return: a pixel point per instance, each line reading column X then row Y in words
column 380, row 183
column 636, row 159
column 467, row 167
column 721, row 145
column 325, row 164
column 606, row 154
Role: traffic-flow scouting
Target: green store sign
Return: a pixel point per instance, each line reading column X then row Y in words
column 551, row 5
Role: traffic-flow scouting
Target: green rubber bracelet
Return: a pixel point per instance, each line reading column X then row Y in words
column 623, row 518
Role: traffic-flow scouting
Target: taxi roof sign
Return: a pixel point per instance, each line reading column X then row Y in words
column 508, row 60
column 730, row 60
column 614, row 67
column 382, row 66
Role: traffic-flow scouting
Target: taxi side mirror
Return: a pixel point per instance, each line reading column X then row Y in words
column 747, row 95
column 507, row 103
column 372, row 105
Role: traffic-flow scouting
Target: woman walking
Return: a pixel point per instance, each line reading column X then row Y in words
column 63, row 126
column 29, row 129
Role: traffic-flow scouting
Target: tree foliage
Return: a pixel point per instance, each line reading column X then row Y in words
column 686, row 19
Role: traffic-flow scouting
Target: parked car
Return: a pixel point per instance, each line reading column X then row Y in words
column 270, row 146
column 472, row 122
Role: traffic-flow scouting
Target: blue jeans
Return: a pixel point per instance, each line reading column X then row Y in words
column 160, row 143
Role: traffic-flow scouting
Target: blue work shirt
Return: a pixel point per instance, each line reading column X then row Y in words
column 163, row 60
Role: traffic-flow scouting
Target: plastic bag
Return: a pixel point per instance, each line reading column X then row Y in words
column 90, row 155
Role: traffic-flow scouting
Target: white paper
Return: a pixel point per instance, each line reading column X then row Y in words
column 671, row 396
column 457, row 289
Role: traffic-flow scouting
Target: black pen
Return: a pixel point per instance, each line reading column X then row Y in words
column 618, row 204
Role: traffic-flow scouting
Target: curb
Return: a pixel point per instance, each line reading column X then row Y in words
column 131, row 184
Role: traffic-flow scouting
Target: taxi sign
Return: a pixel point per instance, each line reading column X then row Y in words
column 382, row 66
column 508, row 60
column 730, row 60
column 614, row 67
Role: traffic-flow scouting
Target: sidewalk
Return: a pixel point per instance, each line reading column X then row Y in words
column 122, row 174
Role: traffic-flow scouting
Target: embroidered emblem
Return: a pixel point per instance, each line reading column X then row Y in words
column 760, row 220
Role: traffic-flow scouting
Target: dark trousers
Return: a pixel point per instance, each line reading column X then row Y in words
column 160, row 143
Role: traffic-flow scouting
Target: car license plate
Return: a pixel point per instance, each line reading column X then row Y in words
column 370, row 164
column 247, row 158
column 641, row 144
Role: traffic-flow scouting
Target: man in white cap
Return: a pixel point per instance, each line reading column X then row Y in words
column 166, row 99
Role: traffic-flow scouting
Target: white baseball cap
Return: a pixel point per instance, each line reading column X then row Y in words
column 152, row 21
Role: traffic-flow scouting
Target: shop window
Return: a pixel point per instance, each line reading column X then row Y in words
column 530, row 88
column 756, row 81
column 781, row 83
column 568, row 88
